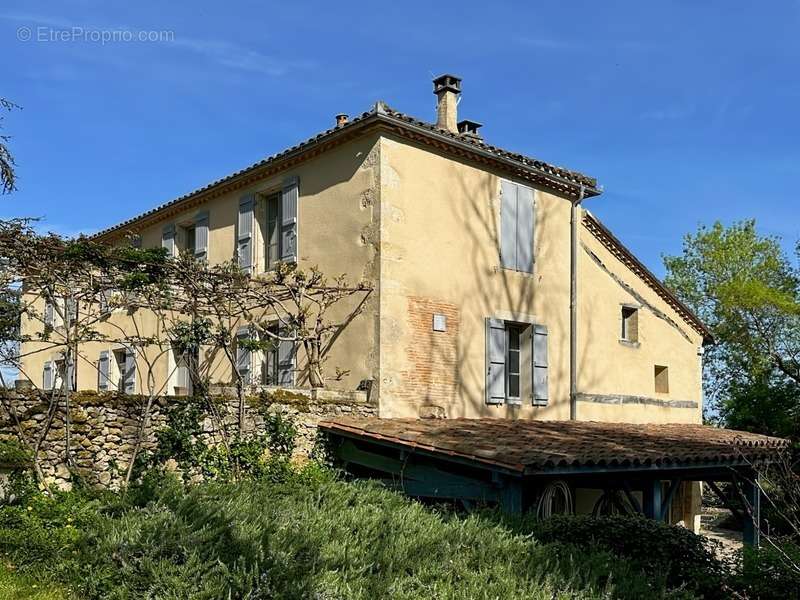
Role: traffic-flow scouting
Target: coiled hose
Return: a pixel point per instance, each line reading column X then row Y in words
column 556, row 499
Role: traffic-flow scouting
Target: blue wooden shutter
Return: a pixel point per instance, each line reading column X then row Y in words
column 539, row 367
column 524, row 229
column 495, row 361
column 201, row 236
column 129, row 376
column 508, row 225
column 71, row 310
column 70, row 375
column 289, row 237
column 103, row 370
column 168, row 239
column 244, row 233
column 244, row 357
column 47, row 375
column 286, row 360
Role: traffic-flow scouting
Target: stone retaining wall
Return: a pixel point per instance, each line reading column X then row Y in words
column 105, row 426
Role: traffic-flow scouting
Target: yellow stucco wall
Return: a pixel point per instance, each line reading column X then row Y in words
column 335, row 224
column 424, row 230
column 439, row 241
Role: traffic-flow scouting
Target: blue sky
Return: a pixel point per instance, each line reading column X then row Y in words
column 686, row 112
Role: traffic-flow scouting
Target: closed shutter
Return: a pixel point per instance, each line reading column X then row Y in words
column 168, row 239
column 495, row 361
column 201, row 236
column 539, row 367
column 47, row 375
column 103, row 371
column 508, row 225
column 244, row 233
column 289, row 236
column 48, row 314
column 524, row 229
column 286, row 360
column 129, row 376
column 244, row 356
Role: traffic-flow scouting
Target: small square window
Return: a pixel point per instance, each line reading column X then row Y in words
column 630, row 324
column 439, row 322
column 661, row 379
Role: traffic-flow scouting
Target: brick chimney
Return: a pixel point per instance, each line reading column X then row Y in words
column 447, row 89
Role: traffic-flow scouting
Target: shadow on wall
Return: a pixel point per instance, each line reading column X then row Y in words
column 476, row 212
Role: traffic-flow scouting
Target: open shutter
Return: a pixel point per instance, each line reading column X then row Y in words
column 70, row 376
column 182, row 378
column 201, row 236
column 47, row 375
column 129, row 376
column 524, row 229
column 508, row 225
column 289, row 236
column 244, row 356
column 72, row 310
column 539, row 367
column 495, row 361
column 48, row 314
column 103, row 371
column 286, row 360
column 168, row 239
column 244, row 233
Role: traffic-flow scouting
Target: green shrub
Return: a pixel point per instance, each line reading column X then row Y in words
column 14, row 454
column 769, row 573
column 686, row 561
column 299, row 534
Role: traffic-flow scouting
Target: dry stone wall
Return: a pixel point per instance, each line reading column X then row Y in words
column 104, row 427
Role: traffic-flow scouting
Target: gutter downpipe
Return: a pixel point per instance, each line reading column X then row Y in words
column 573, row 307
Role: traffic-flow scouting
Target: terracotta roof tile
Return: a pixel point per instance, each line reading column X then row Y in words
column 541, row 446
column 379, row 111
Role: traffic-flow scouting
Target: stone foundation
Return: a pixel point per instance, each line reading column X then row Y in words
column 104, row 427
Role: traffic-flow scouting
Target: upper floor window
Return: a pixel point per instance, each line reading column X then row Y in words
column 272, row 231
column 266, row 228
column 516, row 227
column 629, row 324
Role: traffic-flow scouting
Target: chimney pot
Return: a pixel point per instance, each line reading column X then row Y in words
column 341, row 119
column 447, row 88
column 469, row 128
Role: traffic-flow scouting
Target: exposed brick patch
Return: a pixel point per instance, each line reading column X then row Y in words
column 433, row 378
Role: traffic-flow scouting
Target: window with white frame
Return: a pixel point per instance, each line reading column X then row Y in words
column 516, row 362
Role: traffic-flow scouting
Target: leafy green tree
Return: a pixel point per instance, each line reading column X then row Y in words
column 8, row 177
column 747, row 290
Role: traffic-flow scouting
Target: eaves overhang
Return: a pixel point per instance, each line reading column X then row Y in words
column 380, row 119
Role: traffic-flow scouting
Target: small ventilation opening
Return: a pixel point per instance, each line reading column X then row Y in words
column 661, row 379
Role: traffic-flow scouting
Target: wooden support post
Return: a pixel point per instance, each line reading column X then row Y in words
column 510, row 493
column 667, row 503
column 652, row 499
column 751, row 491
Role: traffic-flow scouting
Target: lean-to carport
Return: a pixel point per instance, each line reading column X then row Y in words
column 510, row 462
